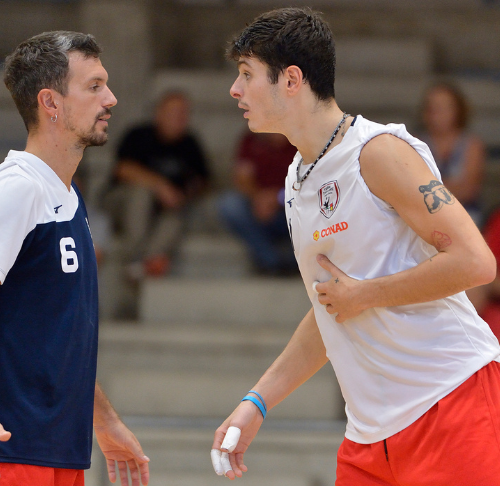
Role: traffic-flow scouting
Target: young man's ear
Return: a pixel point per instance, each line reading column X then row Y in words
column 294, row 79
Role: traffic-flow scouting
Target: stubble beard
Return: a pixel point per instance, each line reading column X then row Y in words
column 90, row 138
column 93, row 138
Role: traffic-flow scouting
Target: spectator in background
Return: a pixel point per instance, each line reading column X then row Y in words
column 486, row 298
column 460, row 156
column 254, row 211
column 161, row 171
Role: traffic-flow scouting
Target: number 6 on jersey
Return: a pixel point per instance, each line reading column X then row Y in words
column 69, row 258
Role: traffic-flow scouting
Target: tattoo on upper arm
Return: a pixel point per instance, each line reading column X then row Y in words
column 435, row 195
column 440, row 240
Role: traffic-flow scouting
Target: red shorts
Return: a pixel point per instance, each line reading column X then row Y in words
column 27, row 475
column 456, row 443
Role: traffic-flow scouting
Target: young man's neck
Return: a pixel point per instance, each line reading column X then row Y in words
column 312, row 128
column 60, row 156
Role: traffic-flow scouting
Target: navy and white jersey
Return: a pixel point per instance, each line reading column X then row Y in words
column 48, row 317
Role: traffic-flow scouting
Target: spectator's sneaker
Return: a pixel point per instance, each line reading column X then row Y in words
column 157, row 266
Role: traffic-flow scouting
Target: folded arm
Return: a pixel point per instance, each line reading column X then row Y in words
column 395, row 173
column 132, row 172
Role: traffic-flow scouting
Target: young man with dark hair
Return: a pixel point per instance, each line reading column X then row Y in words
column 49, row 397
column 385, row 252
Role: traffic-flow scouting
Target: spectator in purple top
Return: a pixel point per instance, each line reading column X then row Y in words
column 460, row 155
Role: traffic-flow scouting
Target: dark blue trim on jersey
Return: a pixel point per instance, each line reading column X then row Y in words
column 48, row 348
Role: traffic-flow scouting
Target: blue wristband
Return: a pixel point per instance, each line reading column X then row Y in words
column 256, row 402
column 260, row 397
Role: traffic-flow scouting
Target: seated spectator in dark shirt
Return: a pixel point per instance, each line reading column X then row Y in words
column 161, row 171
column 255, row 210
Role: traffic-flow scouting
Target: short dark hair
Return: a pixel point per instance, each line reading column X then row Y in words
column 291, row 36
column 42, row 62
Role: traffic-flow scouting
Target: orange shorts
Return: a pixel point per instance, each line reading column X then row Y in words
column 457, row 442
column 27, row 475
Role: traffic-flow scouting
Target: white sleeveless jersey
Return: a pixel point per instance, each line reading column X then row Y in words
column 393, row 364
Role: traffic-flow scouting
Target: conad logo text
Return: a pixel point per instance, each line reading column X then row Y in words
column 335, row 228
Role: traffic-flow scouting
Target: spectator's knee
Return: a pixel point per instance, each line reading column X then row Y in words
column 232, row 206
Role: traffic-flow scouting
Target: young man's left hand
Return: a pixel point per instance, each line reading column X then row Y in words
column 340, row 294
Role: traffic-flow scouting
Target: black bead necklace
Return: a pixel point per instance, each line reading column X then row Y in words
column 298, row 183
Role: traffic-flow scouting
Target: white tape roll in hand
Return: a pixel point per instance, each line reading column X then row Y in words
column 316, row 282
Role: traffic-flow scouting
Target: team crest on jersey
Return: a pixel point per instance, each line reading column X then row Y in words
column 329, row 197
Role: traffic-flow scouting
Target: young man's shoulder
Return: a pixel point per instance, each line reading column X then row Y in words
column 368, row 129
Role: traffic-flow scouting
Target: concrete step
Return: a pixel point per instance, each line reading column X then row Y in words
column 277, row 457
column 487, row 127
column 215, row 92
column 359, row 94
column 482, row 94
column 203, row 255
column 220, row 131
column 401, row 57
column 282, row 302
column 203, row 371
